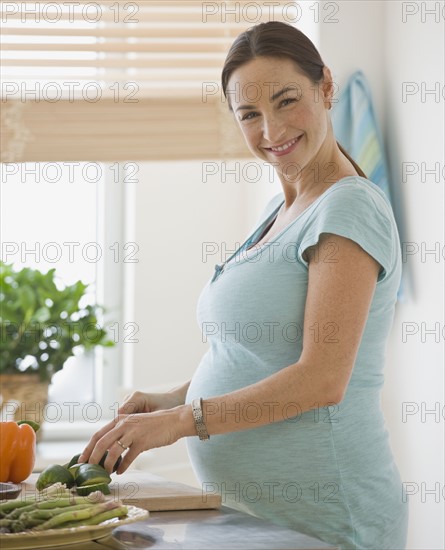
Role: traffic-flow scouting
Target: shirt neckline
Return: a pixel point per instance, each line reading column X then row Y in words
column 254, row 250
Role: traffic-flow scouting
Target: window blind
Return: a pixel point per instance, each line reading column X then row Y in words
column 119, row 80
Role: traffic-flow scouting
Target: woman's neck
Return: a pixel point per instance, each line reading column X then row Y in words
column 326, row 168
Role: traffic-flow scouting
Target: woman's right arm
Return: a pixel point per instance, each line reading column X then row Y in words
column 142, row 402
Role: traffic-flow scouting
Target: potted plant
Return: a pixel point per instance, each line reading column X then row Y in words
column 42, row 324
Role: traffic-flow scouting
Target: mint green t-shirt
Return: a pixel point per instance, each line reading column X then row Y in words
column 328, row 472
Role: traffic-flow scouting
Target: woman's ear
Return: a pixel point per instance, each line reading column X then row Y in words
column 327, row 87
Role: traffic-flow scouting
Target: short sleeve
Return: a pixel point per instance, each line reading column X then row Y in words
column 357, row 213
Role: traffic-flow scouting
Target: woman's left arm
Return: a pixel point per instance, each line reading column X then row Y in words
column 339, row 295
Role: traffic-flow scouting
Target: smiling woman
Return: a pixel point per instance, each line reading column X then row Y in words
column 283, row 412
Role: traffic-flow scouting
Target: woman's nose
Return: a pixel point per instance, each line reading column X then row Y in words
column 273, row 129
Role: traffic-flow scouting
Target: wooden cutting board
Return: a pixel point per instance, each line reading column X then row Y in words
column 152, row 493
column 157, row 494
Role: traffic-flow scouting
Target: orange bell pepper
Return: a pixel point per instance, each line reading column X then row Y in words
column 17, row 451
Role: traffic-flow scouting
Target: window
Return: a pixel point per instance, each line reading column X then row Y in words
column 103, row 81
column 58, row 215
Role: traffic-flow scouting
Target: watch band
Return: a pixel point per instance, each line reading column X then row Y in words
column 201, row 428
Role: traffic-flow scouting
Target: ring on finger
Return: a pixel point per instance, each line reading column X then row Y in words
column 122, row 445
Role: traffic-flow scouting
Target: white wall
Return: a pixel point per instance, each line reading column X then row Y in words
column 415, row 135
column 180, row 213
column 351, row 39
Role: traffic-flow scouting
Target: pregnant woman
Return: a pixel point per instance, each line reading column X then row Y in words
column 283, row 413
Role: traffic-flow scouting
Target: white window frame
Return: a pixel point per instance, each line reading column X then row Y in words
column 114, row 292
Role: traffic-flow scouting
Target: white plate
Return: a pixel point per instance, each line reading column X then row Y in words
column 68, row 535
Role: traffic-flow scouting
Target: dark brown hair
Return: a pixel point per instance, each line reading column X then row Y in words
column 280, row 40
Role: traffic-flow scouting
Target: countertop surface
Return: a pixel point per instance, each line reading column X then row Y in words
column 206, row 529
column 223, row 529
column 212, row 530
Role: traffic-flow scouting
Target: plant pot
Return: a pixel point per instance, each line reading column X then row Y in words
column 23, row 397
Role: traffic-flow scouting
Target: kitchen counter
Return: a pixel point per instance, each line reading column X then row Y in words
column 212, row 530
column 223, row 529
column 181, row 525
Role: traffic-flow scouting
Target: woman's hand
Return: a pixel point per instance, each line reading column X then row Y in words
column 137, row 433
column 141, row 402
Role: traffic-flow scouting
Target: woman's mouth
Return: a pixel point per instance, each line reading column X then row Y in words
column 285, row 148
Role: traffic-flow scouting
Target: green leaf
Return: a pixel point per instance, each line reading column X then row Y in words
column 108, row 343
column 42, row 315
column 27, row 300
column 31, row 305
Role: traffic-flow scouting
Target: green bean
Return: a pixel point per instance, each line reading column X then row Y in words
column 78, row 515
column 6, row 523
column 40, row 513
column 50, row 493
column 8, row 505
column 44, row 504
column 116, row 513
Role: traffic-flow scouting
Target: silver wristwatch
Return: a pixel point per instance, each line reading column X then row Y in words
column 201, row 429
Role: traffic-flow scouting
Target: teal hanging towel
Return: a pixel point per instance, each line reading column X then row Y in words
column 356, row 129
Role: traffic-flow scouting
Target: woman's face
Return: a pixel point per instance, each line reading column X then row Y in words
column 281, row 113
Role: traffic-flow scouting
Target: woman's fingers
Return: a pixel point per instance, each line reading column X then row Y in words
column 129, row 407
column 86, row 453
column 114, row 452
column 141, row 402
column 108, row 441
column 132, row 453
column 116, row 445
column 129, row 435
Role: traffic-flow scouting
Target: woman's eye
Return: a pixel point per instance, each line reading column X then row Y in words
column 254, row 114
column 288, row 101
column 249, row 116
